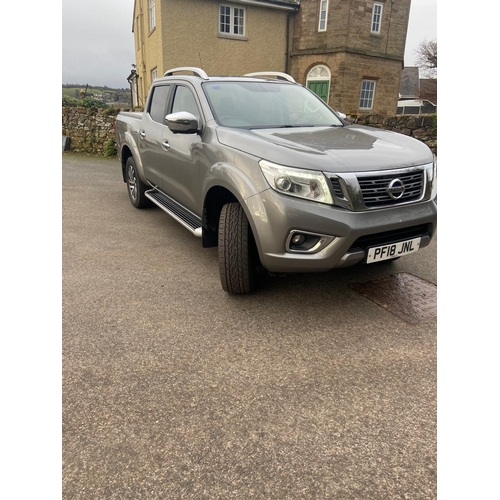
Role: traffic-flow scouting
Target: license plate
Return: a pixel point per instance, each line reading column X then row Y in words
column 384, row 252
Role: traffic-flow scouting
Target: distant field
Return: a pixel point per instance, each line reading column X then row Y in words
column 109, row 95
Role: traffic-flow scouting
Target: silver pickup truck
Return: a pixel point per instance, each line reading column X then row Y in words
column 261, row 167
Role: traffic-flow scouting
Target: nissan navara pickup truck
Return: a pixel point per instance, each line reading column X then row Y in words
column 261, row 167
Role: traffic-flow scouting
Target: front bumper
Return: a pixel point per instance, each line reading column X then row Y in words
column 273, row 216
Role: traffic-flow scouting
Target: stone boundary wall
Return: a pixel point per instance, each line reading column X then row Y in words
column 422, row 127
column 92, row 131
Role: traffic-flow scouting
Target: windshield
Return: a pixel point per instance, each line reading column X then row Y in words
column 267, row 105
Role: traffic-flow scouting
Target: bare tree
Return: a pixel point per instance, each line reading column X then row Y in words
column 427, row 57
column 428, row 90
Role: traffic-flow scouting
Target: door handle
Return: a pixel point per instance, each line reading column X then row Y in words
column 142, row 133
column 165, row 145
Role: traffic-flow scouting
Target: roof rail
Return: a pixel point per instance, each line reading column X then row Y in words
column 277, row 74
column 196, row 71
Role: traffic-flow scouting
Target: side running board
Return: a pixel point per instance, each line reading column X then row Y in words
column 178, row 212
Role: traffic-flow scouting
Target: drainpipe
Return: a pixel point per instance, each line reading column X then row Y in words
column 132, row 80
column 287, row 53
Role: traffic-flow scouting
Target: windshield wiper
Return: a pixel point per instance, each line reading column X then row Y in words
column 294, row 126
column 259, row 127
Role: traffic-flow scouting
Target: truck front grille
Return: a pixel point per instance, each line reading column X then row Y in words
column 376, row 188
column 381, row 189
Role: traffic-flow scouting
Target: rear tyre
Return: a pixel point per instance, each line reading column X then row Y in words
column 136, row 187
column 237, row 251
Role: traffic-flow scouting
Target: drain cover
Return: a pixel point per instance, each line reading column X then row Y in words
column 405, row 295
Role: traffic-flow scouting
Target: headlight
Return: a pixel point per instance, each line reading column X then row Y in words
column 434, row 178
column 431, row 174
column 297, row 182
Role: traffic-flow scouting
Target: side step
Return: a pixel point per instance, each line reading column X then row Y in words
column 178, row 212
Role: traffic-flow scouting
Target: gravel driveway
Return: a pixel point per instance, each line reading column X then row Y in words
column 173, row 389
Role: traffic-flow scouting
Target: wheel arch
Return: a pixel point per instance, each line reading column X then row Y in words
column 215, row 198
column 228, row 183
column 126, row 153
column 128, row 149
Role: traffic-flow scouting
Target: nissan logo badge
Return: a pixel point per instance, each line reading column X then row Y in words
column 396, row 189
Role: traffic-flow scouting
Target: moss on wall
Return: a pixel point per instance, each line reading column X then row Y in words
column 90, row 130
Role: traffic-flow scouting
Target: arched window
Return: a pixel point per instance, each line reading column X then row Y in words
column 318, row 80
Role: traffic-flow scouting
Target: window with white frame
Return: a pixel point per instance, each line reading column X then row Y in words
column 367, row 94
column 231, row 20
column 152, row 15
column 323, row 15
column 376, row 17
column 154, row 74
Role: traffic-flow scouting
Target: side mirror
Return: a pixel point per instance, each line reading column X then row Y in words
column 342, row 115
column 182, row 123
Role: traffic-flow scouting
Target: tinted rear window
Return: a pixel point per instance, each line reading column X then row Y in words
column 158, row 103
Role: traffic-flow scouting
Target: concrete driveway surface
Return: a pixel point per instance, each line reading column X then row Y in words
column 173, row 389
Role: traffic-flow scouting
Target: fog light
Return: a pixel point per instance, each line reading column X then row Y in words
column 305, row 242
column 298, row 239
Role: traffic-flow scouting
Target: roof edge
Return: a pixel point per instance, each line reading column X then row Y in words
column 290, row 5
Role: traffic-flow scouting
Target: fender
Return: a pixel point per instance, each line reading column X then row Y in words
column 129, row 141
column 237, row 171
column 244, row 184
column 233, row 179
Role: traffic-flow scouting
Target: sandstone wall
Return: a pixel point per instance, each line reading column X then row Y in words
column 91, row 131
column 423, row 128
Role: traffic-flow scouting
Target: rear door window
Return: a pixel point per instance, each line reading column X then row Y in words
column 158, row 103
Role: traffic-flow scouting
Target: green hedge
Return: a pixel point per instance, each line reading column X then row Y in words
column 86, row 102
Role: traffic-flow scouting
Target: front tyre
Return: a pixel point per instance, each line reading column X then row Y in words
column 135, row 186
column 237, row 251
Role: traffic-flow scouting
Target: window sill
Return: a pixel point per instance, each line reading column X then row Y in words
column 232, row 37
column 152, row 31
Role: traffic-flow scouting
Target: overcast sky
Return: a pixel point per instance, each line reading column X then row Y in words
column 98, row 43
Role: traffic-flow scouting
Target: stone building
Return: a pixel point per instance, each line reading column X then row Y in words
column 350, row 52
column 223, row 38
